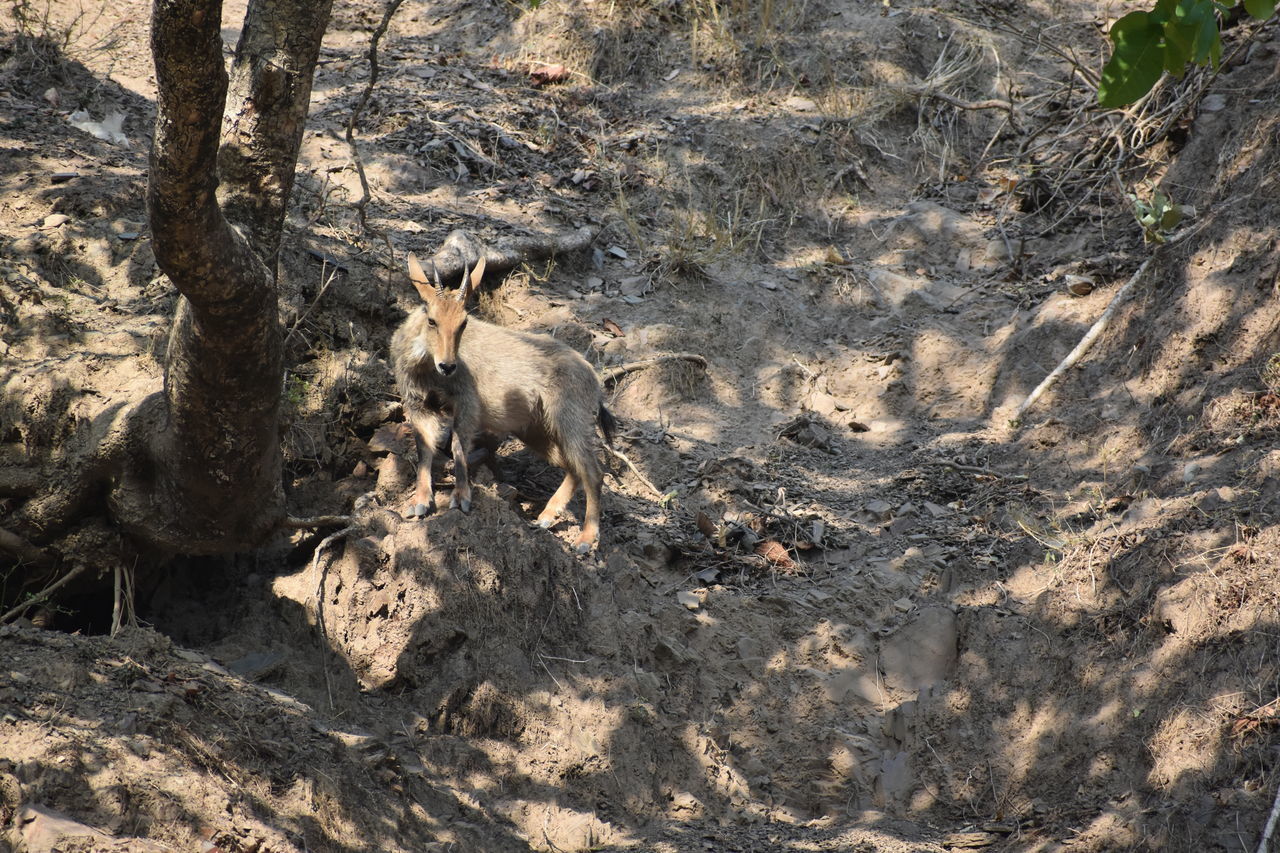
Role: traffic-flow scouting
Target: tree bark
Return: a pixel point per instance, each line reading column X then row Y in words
column 270, row 92
column 205, row 472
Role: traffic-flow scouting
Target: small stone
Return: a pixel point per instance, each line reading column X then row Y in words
column 903, row 605
column 800, row 105
column 882, row 510
column 935, row 510
column 1214, row 103
column 617, row 252
column 53, row 220
column 691, row 600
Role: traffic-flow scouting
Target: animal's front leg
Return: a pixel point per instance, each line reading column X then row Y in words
column 427, row 430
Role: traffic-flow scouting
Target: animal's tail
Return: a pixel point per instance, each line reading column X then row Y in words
column 608, row 424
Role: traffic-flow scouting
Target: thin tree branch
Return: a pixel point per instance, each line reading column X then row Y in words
column 44, row 594
column 1081, row 348
column 365, row 195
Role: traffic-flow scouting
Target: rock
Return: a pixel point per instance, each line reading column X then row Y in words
column 636, row 285
column 922, row 652
column 1213, row 103
column 882, row 510
column 256, row 665
column 395, row 475
column 894, row 780
column 799, row 104
column 53, row 220
column 935, row 510
column 691, row 600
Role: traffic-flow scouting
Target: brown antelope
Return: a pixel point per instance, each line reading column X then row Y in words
column 486, row 379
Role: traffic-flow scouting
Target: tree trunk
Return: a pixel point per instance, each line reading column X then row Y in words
column 209, row 479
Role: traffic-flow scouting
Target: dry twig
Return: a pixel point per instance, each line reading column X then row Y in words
column 324, row 575
column 365, row 195
column 634, row 470
column 1081, row 348
column 978, row 469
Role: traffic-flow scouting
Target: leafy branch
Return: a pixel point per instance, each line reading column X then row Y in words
column 1169, row 37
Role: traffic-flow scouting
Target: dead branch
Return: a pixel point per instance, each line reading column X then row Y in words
column 988, row 104
column 978, row 469
column 325, row 646
column 461, row 251
column 1264, row 844
column 658, row 493
column 376, row 37
column 292, row 523
column 1098, row 327
column 44, row 594
column 1081, row 348
column 613, row 374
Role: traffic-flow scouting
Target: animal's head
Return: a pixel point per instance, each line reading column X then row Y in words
column 446, row 316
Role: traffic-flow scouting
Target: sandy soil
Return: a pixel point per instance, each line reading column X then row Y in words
column 851, row 609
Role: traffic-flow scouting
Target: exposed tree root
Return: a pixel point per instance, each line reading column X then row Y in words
column 461, row 250
column 23, row 550
column 613, row 374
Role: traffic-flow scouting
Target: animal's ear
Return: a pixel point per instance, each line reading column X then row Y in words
column 471, row 282
column 419, row 280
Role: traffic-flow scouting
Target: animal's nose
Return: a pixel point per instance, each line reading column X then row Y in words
column 446, row 367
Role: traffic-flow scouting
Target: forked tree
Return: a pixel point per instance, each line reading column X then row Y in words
column 222, row 165
column 195, row 468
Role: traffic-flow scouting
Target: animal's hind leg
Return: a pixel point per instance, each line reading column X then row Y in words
column 558, row 501
column 591, row 480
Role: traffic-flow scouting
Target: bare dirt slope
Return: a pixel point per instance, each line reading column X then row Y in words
column 840, row 603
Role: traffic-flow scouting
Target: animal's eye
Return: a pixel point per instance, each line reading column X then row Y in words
column 431, row 323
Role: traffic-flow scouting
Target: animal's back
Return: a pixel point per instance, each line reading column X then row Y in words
column 528, row 380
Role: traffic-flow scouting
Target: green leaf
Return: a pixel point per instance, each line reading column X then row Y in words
column 1208, row 43
column 1260, row 9
column 1178, row 44
column 1136, row 62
